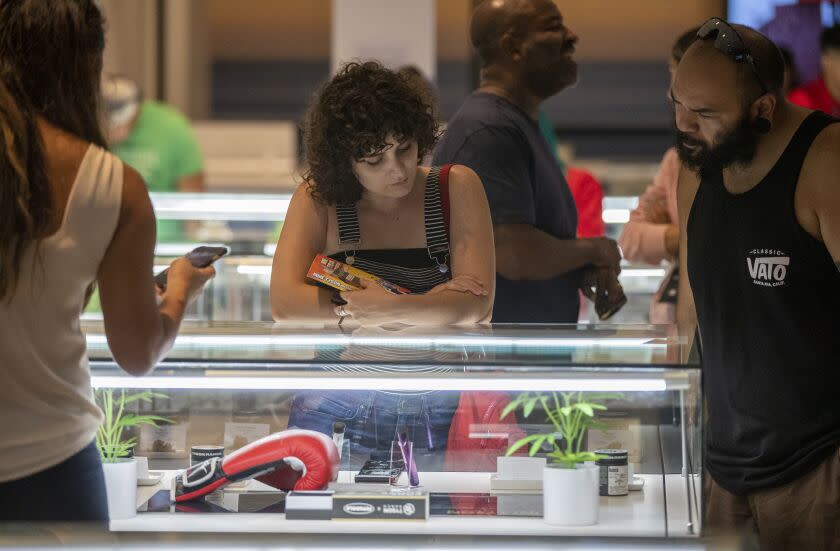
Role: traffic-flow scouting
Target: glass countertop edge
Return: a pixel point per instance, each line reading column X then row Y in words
column 463, row 367
column 492, row 346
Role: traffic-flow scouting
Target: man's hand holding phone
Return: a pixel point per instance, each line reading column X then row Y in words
column 601, row 286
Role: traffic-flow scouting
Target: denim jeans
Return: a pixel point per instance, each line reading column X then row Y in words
column 374, row 419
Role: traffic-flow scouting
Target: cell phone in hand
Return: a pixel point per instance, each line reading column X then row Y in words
column 671, row 287
column 606, row 310
column 200, row 257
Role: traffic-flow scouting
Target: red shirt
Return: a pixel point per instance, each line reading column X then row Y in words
column 815, row 95
column 588, row 196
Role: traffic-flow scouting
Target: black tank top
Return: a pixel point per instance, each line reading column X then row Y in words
column 418, row 270
column 767, row 295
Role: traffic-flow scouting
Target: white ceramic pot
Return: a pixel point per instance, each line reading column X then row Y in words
column 570, row 496
column 121, row 487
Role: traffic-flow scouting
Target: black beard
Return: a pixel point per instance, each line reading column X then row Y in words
column 736, row 147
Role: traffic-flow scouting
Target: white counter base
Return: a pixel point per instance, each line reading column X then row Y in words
column 639, row 514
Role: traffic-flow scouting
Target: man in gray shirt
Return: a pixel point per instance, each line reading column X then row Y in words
column 526, row 54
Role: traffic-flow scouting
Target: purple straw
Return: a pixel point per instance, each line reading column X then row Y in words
column 407, row 452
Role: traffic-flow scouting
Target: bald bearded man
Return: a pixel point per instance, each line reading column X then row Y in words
column 759, row 202
column 526, row 52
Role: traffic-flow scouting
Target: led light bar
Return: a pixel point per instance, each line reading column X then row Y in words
column 179, row 249
column 252, row 269
column 269, row 207
column 220, row 206
column 642, row 272
column 360, row 382
column 419, row 341
column 265, row 270
column 615, row 216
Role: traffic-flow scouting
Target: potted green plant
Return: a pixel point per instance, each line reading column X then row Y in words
column 114, row 448
column 570, row 477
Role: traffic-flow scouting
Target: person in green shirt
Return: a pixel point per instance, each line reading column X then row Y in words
column 157, row 141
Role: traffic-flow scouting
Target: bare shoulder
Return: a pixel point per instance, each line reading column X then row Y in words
column 307, row 213
column 465, row 184
column 821, row 169
column 826, row 145
column 464, row 175
column 303, row 192
column 303, row 199
column 824, row 154
column 135, row 196
column 133, row 185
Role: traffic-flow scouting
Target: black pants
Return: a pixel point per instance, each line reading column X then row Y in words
column 73, row 490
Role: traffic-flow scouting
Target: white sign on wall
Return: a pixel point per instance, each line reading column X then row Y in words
column 395, row 32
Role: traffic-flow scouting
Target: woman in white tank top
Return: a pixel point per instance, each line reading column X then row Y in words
column 71, row 215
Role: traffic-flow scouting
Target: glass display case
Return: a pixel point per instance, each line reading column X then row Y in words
column 249, row 225
column 452, row 393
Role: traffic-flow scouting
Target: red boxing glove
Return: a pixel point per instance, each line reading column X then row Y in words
column 292, row 459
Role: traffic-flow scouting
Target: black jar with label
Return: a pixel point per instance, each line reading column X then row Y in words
column 612, row 472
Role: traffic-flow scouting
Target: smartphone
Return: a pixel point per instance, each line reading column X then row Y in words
column 606, row 311
column 200, row 257
column 671, row 287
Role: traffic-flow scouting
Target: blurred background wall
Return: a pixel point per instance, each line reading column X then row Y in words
column 261, row 60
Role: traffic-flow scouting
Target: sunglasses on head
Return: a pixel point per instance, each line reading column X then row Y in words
column 728, row 41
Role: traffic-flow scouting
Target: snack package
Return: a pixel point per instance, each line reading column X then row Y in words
column 345, row 277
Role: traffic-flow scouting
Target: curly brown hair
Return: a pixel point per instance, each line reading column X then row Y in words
column 350, row 118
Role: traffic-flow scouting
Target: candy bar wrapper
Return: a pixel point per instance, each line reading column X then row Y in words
column 345, row 277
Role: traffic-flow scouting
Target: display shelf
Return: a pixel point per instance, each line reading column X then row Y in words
column 639, row 514
column 271, row 207
column 224, row 383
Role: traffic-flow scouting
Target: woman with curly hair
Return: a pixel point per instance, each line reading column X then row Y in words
column 365, row 201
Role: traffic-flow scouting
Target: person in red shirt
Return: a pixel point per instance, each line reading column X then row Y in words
column 586, row 190
column 823, row 94
column 589, row 196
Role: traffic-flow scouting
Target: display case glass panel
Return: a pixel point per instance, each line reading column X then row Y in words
column 446, row 390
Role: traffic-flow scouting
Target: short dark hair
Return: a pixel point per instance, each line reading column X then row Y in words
column 488, row 25
column 830, row 39
column 350, row 119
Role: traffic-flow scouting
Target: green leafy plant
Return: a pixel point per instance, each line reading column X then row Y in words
column 570, row 413
column 109, row 435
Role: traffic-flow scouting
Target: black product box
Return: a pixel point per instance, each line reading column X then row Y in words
column 377, row 502
column 380, row 471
